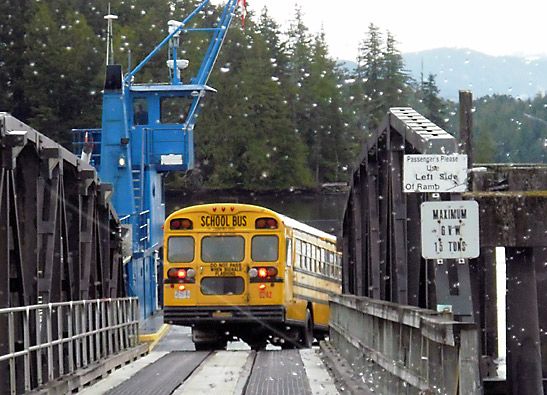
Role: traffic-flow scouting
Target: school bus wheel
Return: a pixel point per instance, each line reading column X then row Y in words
column 306, row 338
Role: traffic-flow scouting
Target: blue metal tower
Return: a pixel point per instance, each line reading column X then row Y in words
column 147, row 130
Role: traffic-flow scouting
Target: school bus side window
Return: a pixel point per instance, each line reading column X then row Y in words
column 288, row 243
column 330, row 260
column 180, row 249
column 298, row 252
column 265, row 248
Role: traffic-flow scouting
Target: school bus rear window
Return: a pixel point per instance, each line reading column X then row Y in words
column 222, row 249
column 222, row 286
column 265, row 248
column 180, row 249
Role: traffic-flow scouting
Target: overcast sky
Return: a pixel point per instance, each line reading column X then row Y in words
column 499, row 27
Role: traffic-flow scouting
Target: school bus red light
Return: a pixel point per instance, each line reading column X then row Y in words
column 262, row 286
column 181, row 224
column 177, row 273
column 181, row 287
column 272, row 272
column 262, row 272
column 266, row 223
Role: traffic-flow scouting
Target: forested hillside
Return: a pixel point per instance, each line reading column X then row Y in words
column 285, row 115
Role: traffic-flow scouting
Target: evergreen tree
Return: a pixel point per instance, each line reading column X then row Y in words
column 13, row 97
column 311, row 73
column 269, row 29
column 380, row 80
column 286, row 115
column 140, row 27
column 395, row 80
column 497, row 123
column 369, row 73
column 299, row 50
column 534, row 143
column 435, row 108
column 244, row 137
column 61, row 69
column 484, row 148
column 328, row 135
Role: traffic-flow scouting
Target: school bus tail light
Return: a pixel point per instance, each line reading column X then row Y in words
column 263, row 273
column 181, row 224
column 266, row 223
column 181, row 274
column 262, row 286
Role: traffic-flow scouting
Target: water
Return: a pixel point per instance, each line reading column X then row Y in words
column 322, row 209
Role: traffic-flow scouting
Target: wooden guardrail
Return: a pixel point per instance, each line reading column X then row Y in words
column 395, row 349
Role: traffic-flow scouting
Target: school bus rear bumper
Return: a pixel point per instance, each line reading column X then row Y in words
column 188, row 315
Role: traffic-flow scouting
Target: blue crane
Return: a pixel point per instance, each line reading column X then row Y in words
column 147, row 130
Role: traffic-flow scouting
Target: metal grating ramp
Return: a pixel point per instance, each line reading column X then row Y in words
column 163, row 376
column 278, row 372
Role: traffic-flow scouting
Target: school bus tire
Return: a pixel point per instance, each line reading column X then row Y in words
column 208, row 346
column 306, row 338
column 288, row 345
column 203, row 346
column 258, row 345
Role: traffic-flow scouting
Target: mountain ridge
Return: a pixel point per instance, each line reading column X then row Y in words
column 465, row 69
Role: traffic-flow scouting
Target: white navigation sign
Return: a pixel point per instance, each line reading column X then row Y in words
column 450, row 229
column 435, row 173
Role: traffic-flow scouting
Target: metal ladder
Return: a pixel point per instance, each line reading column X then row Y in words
column 138, row 192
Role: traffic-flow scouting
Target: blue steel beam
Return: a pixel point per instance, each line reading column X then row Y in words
column 127, row 79
column 216, row 43
column 138, row 143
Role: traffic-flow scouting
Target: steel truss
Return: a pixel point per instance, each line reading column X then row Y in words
column 382, row 254
column 59, row 235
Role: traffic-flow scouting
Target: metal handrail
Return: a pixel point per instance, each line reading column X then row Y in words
column 141, row 224
column 56, row 339
column 144, row 234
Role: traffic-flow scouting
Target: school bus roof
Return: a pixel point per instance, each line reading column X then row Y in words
column 287, row 221
column 306, row 228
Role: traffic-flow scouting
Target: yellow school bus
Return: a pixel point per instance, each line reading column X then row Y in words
column 238, row 271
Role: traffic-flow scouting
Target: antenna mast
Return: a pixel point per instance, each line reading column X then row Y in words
column 109, row 43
